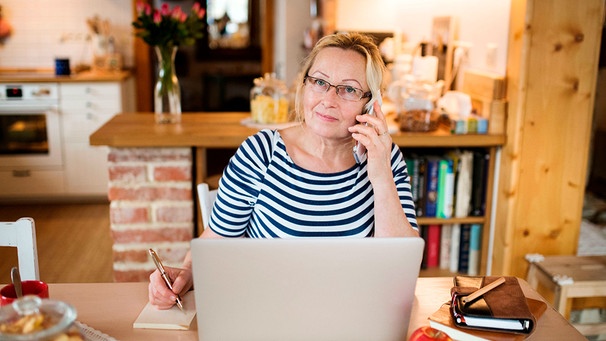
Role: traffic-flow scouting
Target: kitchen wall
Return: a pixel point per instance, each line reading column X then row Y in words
column 43, row 30
column 481, row 22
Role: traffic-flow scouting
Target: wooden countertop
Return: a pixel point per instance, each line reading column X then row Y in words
column 225, row 130
column 48, row 76
column 212, row 130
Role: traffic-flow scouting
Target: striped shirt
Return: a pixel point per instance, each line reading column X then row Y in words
column 264, row 194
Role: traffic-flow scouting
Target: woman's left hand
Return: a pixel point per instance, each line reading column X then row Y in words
column 372, row 132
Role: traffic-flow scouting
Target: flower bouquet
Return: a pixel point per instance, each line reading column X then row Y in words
column 166, row 29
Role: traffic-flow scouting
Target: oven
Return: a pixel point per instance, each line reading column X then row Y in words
column 30, row 129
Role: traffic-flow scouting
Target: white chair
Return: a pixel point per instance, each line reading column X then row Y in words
column 206, row 197
column 22, row 235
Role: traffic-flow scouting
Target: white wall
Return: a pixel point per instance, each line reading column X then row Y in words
column 481, row 22
column 43, row 30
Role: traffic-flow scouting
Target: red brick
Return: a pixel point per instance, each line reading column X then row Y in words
column 128, row 215
column 152, row 235
column 132, row 275
column 149, row 154
column 127, row 173
column 173, row 255
column 136, row 256
column 172, row 173
column 173, row 214
column 149, row 193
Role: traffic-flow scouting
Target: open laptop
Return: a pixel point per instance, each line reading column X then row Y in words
column 305, row 289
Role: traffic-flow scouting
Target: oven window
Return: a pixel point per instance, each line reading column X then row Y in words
column 23, row 134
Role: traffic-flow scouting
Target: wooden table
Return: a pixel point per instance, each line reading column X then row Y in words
column 570, row 277
column 113, row 307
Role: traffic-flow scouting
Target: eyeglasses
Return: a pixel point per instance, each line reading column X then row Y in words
column 346, row 92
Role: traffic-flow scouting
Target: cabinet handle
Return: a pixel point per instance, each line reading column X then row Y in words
column 25, row 173
column 89, row 116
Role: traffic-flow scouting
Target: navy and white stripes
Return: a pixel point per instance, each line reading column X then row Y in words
column 263, row 194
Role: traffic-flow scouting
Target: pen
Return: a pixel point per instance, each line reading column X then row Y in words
column 165, row 277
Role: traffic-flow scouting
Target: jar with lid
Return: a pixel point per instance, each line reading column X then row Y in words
column 33, row 318
column 269, row 100
column 415, row 102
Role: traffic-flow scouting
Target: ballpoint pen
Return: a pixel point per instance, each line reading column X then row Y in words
column 164, row 275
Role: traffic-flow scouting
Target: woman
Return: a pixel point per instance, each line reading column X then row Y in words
column 304, row 181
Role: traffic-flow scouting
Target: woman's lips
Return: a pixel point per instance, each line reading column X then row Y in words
column 326, row 117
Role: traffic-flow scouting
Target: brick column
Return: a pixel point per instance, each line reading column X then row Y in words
column 150, row 190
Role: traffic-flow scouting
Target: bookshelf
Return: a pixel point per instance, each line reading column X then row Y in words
column 442, row 139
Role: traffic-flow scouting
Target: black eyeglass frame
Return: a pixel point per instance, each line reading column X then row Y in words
column 337, row 87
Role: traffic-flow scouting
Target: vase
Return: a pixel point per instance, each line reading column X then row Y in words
column 167, row 94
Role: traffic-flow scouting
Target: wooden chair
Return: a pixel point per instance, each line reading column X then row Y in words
column 22, row 235
column 206, row 197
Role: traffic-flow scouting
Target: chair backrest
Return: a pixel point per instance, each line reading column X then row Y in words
column 206, row 197
column 22, row 235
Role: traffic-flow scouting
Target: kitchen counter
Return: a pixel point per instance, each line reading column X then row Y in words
column 209, row 130
column 45, row 76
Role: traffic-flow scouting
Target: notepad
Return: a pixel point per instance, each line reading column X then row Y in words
column 173, row 318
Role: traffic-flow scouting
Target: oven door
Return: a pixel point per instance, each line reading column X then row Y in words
column 30, row 136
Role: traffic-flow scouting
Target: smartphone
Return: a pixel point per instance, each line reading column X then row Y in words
column 359, row 149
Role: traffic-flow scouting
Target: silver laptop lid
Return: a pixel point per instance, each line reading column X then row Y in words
column 305, row 289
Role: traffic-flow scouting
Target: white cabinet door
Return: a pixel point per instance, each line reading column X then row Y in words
column 84, row 108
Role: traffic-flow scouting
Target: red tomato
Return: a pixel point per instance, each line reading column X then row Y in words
column 427, row 333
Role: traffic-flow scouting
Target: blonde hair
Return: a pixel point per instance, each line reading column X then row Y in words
column 360, row 43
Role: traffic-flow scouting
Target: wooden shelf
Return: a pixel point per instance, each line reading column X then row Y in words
column 443, row 138
column 442, row 221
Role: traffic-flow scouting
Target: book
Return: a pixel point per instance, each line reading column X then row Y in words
column 464, row 241
column 503, row 308
column 413, row 175
column 445, row 240
column 173, row 318
column 475, row 241
column 421, row 189
column 463, row 184
column 442, row 320
column 431, row 185
column 433, row 246
column 423, row 233
column 478, row 185
column 455, row 240
column 445, row 188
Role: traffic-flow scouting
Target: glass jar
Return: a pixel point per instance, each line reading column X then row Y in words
column 33, row 318
column 415, row 102
column 269, row 100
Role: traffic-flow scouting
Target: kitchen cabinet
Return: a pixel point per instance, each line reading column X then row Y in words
column 84, row 108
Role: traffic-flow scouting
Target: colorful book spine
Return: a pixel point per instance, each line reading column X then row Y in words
column 464, row 179
column 423, row 232
column 455, row 241
column 431, row 194
column 445, row 188
column 478, row 195
column 413, row 175
column 475, row 240
column 464, row 248
column 421, row 188
column 445, row 241
column 433, row 246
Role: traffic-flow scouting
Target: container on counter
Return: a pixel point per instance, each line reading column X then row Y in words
column 269, row 100
column 415, row 102
column 33, row 318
